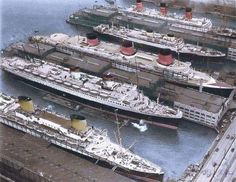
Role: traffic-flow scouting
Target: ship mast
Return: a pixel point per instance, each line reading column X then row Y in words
column 224, row 17
column 117, row 134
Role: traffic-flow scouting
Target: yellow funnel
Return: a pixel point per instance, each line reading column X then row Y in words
column 26, row 104
column 78, row 122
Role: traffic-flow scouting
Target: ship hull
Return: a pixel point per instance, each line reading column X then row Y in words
column 223, row 92
column 171, row 123
column 155, row 47
column 139, row 176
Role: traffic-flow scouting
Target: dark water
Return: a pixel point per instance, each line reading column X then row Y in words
column 173, row 151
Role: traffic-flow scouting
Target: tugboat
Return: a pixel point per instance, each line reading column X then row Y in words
column 152, row 39
column 75, row 135
column 101, row 93
column 162, row 64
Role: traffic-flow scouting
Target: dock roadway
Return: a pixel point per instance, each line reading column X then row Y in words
column 221, row 163
column 27, row 158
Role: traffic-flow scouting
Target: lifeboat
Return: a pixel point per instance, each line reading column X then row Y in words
column 30, row 126
column 75, row 86
column 40, row 130
column 51, row 64
column 51, row 78
column 58, row 81
column 20, row 67
column 65, row 69
column 50, row 134
column 67, row 83
column 60, row 137
column 72, row 142
column 11, row 64
column 35, row 73
column 84, row 89
column 27, row 70
column 104, row 95
column 42, row 75
column 95, row 92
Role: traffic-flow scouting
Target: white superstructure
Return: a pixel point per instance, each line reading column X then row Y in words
column 91, row 142
column 94, row 89
column 197, row 24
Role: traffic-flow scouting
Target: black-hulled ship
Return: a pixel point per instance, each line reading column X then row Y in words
column 128, row 59
column 101, row 93
column 150, row 39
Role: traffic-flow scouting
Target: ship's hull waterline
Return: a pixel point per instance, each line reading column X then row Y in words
column 140, row 176
column 170, row 123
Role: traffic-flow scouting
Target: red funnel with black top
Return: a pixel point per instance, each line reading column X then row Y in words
column 165, row 57
column 108, row 77
column 188, row 13
column 163, row 9
column 127, row 48
column 139, row 5
column 92, row 39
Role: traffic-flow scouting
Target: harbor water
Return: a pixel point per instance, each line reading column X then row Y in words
column 172, row 150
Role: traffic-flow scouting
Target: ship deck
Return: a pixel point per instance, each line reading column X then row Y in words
column 83, row 62
column 104, row 12
column 28, row 158
column 143, row 79
column 38, row 49
column 56, row 119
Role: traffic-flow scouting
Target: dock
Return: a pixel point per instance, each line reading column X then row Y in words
column 200, row 107
column 28, row 158
column 219, row 163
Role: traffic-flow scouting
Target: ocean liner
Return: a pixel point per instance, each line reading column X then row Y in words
column 128, row 59
column 152, row 39
column 138, row 16
column 102, row 93
column 76, row 136
column 185, row 22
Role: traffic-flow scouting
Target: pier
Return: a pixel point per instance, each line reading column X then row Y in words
column 219, row 163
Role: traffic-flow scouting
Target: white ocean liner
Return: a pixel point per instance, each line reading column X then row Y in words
column 76, row 136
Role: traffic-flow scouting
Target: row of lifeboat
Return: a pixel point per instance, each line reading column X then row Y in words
column 66, row 83
column 49, row 133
